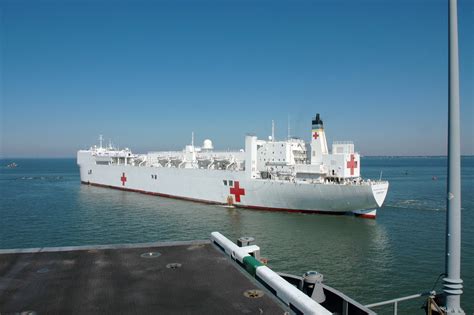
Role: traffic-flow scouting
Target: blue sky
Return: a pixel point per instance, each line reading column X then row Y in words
column 147, row 73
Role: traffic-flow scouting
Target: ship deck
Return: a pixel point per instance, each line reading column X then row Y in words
column 177, row 278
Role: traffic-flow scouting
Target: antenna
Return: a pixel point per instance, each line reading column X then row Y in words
column 192, row 138
column 289, row 129
column 273, row 131
column 100, row 140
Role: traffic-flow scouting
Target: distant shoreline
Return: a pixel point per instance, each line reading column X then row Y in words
column 363, row 156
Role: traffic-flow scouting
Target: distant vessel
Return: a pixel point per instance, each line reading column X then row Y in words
column 286, row 175
column 12, row 165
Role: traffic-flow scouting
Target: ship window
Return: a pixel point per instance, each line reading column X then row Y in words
column 231, row 183
column 151, row 176
column 225, row 182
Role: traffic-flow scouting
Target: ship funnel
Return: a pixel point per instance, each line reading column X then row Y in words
column 319, row 146
column 317, row 122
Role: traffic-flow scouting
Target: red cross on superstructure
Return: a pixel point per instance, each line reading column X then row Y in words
column 237, row 191
column 315, row 135
column 352, row 164
column 123, row 179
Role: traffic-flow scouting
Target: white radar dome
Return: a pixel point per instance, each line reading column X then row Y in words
column 207, row 145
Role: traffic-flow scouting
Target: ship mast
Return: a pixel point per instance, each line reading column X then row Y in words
column 288, row 136
column 452, row 283
column 101, row 138
column 273, row 131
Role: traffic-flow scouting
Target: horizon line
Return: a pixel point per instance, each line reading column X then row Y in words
column 386, row 156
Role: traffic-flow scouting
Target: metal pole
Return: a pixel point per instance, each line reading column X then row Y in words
column 452, row 284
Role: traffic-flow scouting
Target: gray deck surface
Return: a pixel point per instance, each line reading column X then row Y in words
column 116, row 279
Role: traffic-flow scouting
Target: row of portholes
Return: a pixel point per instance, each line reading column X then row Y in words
column 265, row 153
column 273, row 160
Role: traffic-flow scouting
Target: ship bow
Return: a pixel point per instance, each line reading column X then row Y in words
column 379, row 191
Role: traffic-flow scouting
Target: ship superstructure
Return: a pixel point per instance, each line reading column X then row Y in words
column 289, row 175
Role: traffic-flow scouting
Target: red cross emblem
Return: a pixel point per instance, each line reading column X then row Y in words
column 237, row 191
column 315, row 135
column 352, row 164
column 123, row 179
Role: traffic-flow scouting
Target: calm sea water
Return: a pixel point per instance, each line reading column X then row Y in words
column 401, row 253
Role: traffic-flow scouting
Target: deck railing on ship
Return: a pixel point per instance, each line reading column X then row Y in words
column 394, row 302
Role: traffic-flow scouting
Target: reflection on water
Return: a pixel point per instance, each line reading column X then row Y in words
column 161, row 218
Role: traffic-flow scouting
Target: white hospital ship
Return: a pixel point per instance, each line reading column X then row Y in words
column 286, row 175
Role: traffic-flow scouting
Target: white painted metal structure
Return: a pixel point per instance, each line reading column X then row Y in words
column 288, row 175
column 287, row 293
column 452, row 283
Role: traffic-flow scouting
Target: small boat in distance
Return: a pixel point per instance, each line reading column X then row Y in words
column 12, row 165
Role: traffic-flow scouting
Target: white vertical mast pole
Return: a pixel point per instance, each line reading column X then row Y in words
column 288, row 127
column 100, row 140
column 273, row 131
column 452, row 283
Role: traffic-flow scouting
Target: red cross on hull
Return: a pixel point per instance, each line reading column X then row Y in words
column 123, row 179
column 315, row 135
column 352, row 164
column 237, row 191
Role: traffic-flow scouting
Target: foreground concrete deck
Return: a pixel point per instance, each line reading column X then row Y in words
column 127, row 279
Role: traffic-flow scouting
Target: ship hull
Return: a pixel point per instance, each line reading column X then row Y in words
column 233, row 187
